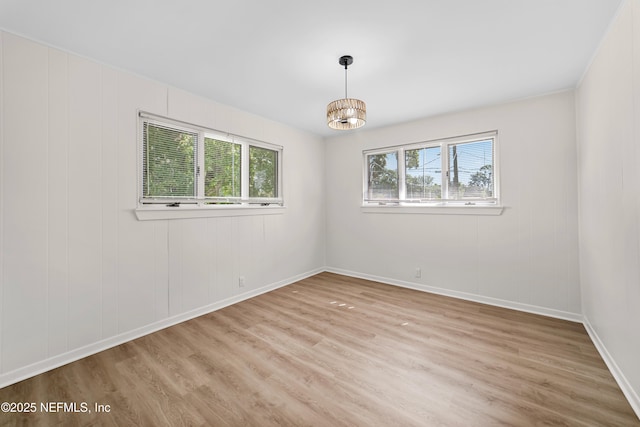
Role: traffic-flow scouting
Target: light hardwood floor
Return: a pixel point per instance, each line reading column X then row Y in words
column 337, row 351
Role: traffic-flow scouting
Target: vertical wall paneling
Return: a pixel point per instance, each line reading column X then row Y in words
column 608, row 109
column 78, row 270
column 261, row 245
column 136, row 259
column 570, row 206
column 269, row 256
column 24, row 244
column 109, row 200
column 544, row 251
column 175, row 267
column 252, row 241
column 230, row 285
column 85, row 203
column 211, row 265
column 161, row 270
column 58, row 203
column 242, row 240
column 521, row 194
column 225, row 250
column 137, row 254
column 195, row 249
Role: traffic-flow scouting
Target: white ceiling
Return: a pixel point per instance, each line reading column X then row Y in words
column 279, row 58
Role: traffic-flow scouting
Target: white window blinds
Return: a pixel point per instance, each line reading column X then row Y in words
column 169, row 162
column 184, row 163
column 454, row 170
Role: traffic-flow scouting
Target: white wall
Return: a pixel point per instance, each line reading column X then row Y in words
column 78, row 271
column 608, row 123
column 526, row 258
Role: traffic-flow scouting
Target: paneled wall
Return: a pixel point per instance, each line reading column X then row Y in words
column 526, row 258
column 608, row 117
column 78, row 271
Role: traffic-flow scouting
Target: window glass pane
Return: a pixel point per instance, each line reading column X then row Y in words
column 222, row 163
column 263, row 172
column 423, row 173
column 382, row 176
column 168, row 162
column 471, row 170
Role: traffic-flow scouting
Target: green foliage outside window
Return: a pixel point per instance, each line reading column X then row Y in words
column 471, row 171
column 195, row 166
column 383, row 176
column 169, row 161
column 222, row 164
column 422, row 168
column 436, row 171
column 263, row 176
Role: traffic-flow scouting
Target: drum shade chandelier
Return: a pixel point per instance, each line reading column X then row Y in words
column 346, row 113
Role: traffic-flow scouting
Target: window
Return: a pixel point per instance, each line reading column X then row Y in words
column 263, row 172
column 169, row 161
column 222, row 168
column 450, row 171
column 188, row 164
column 383, row 176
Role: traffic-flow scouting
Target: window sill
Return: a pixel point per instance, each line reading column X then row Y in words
column 157, row 212
column 435, row 210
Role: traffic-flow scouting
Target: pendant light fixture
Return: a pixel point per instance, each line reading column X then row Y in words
column 346, row 113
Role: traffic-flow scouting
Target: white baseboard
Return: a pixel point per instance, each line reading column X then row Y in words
column 549, row 312
column 618, row 375
column 79, row 353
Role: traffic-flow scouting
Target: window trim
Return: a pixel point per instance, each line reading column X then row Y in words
column 199, row 206
column 474, row 206
column 158, row 212
column 435, row 209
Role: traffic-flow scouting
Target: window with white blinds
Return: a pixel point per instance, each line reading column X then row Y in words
column 168, row 161
column 459, row 170
column 222, row 168
column 184, row 163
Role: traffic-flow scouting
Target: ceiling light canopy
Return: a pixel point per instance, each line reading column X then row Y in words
column 347, row 113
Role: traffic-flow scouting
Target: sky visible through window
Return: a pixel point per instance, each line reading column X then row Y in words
column 471, row 158
column 467, row 173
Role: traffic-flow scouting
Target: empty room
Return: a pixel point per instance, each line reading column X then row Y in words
column 287, row 213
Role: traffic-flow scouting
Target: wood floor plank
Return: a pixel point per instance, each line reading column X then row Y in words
column 333, row 350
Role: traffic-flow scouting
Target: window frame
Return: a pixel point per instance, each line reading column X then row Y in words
column 200, row 201
column 445, row 201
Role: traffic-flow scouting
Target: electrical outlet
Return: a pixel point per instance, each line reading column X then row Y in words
column 418, row 273
column 241, row 281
